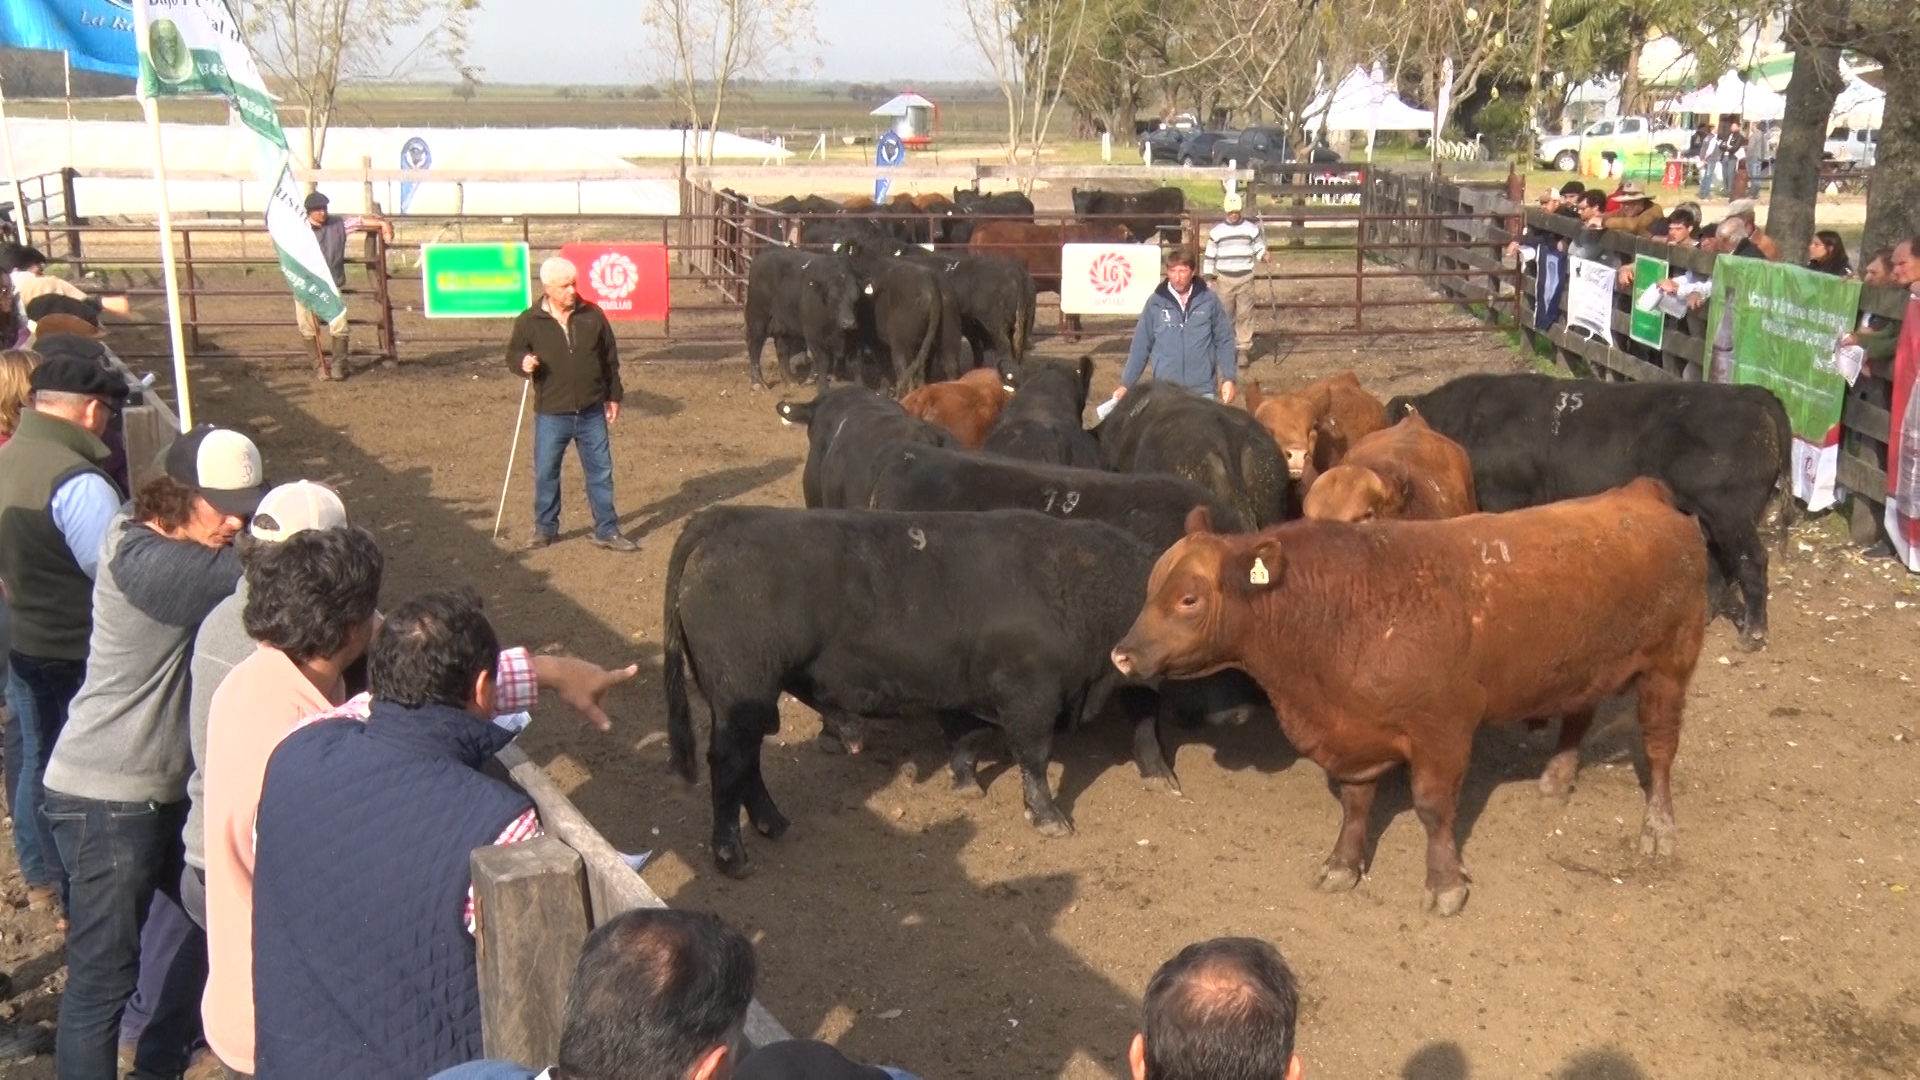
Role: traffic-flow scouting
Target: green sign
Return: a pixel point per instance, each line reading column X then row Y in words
column 1647, row 327
column 474, row 281
column 1787, row 323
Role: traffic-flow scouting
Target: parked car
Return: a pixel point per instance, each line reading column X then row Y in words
column 1162, row 145
column 1251, row 147
column 1856, row 145
column 1197, row 147
column 1620, row 134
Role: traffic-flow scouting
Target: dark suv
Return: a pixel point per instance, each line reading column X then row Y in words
column 1252, row 147
column 1197, row 147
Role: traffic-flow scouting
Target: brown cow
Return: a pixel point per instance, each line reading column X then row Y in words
column 1408, row 471
column 1392, row 642
column 858, row 204
column 967, row 406
column 1315, row 424
column 1037, row 247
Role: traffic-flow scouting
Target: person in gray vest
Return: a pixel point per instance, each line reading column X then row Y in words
column 116, row 783
column 1235, row 249
column 55, row 505
column 332, row 232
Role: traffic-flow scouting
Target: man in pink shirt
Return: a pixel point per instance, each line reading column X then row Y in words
column 311, row 601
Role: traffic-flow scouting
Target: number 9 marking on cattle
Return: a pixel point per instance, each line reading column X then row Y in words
column 918, row 538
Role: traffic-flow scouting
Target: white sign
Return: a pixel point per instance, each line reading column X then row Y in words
column 1107, row 279
column 1590, row 299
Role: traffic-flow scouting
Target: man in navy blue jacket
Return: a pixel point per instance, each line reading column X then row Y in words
column 1184, row 335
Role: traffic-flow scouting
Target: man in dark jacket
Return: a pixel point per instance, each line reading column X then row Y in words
column 331, row 234
column 566, row 347
column 363, row 954
column 1184, row 335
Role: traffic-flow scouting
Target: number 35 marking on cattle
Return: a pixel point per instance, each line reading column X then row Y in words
column 1066, row 501
column 1566, row 404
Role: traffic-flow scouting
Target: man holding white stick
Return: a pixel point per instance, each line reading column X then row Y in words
column 565, row 347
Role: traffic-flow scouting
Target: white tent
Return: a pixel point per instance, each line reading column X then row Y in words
column 900, row 103
column 1364, row 102
column 1731, row 95
column 1859, row 105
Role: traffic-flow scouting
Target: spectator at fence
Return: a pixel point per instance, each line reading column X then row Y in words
column 1225, row 1007
column 16, row 373
column 40, row 294
column 331, row 233
column 1747, row 210
column 393, row 781
column 1593, row 208
column 13, row 321
column 1637, row 211
column 566, row 347
column 1681, row 226
column 307, row 598
column 55, row 505
column 656, row 993
column 1235, row 249
column 1561, row 202
column 116, row 782
column 1183, row 337
column 1827, row 253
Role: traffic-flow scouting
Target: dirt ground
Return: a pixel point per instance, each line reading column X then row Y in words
column 946, row 936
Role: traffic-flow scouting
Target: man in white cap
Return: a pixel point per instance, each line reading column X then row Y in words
column 116, row 783
column 1235, row 248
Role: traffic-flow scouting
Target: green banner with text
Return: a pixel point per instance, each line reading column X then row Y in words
column 475, row 281
column 1648, row 325
column 1787, row 323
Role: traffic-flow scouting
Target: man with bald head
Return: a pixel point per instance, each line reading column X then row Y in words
column 1221, row 1010
column 565, row 347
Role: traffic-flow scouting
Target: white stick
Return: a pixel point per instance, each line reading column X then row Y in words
column 66, row 71
column 181, row 394
column 6, row 145
column 518, row 423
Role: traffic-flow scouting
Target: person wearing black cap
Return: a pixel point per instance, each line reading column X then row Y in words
column 41, row 294
column 55, row 505
column 116, row 782
column 331, row 232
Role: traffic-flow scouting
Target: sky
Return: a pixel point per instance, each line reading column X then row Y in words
column 602, row 41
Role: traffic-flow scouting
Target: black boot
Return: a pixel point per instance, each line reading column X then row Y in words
column 340, row 351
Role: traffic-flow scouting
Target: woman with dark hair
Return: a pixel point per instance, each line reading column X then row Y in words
column 1827, row 253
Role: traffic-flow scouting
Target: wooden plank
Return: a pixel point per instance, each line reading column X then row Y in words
column 1612, row 359
column 530, row 918
column 612, row 886
column 1866, row 418
column 1865, row 479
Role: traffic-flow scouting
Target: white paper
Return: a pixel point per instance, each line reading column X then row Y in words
column 1101, row 410
column 1847, row 360
column 514, row 722
column 635, row 862
column 1649, row 298
column 1590, row 299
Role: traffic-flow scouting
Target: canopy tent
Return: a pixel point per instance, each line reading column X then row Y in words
column 1731, row 95
column 1364, row 102
column 1859, row 105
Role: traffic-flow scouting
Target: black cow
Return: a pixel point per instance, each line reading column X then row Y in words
column 1151, row 506
column 811, row 204
column 1003, row 617
column 848, row 427
column 833, row 233
column 1722, row 449
column 995, row 296
column 1043, row 420
column 1159, row 427
column 970, row 208
column 806, row 301
column 1145, row 214
column 913, row 320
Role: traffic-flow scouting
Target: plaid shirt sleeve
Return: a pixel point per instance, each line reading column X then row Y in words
column 515, row 689
column 522, row 829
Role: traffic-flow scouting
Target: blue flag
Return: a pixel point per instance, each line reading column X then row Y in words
column 96, row 35
column 888, row 153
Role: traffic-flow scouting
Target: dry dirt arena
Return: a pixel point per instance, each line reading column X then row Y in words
column 945, row 936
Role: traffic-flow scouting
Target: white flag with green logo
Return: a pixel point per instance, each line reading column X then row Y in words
column 191, row 47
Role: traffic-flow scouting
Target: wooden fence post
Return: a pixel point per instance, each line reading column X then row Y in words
column 530, row 914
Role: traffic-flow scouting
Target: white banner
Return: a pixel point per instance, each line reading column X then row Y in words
column 1590, row 299
column 1107, row 279
column 1816, row 469
column 193, row 47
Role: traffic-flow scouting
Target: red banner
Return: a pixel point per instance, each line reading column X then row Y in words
column 627, row 281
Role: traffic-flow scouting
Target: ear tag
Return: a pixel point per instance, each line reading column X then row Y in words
column 1258, row 575
column 868, row 290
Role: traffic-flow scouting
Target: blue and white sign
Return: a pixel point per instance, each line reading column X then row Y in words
column 413, row 156
column 96, row 35
column 890, row 153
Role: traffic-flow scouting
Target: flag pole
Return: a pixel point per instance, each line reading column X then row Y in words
column 66, row 69
column 13, row 177
column 182, row 396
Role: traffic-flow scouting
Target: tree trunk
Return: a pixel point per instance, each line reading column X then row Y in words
column 1630, row 78
column 1803, row 128
column 1893, row 204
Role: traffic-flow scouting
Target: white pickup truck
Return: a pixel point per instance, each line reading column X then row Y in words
column 1620, row 134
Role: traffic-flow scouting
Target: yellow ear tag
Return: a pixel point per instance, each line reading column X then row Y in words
column 1258, row 575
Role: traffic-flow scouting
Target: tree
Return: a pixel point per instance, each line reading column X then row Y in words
column 1030, row 45
column 1889, row 31
column 711, row 45
column 468, row 87
column 1812, row 25
column 1609, row 37
column 308, row 48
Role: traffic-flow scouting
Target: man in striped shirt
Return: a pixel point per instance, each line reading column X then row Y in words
column 1235, row 248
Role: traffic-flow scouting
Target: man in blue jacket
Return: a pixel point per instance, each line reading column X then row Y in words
column 1184, row 335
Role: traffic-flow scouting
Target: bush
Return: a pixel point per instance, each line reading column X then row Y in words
column 1503, row 121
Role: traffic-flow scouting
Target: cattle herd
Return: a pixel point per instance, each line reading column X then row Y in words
column 925, row 288
column 1382, row 579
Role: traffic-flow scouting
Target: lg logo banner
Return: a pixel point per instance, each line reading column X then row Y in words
column 627, row 281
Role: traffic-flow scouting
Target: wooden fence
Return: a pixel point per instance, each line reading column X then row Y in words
column 1465, row 273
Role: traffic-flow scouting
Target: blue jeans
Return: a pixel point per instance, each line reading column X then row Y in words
column 38, row 694
column 1707, row 169
column 118, row 855
column 160, row 941
column 587, row 430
